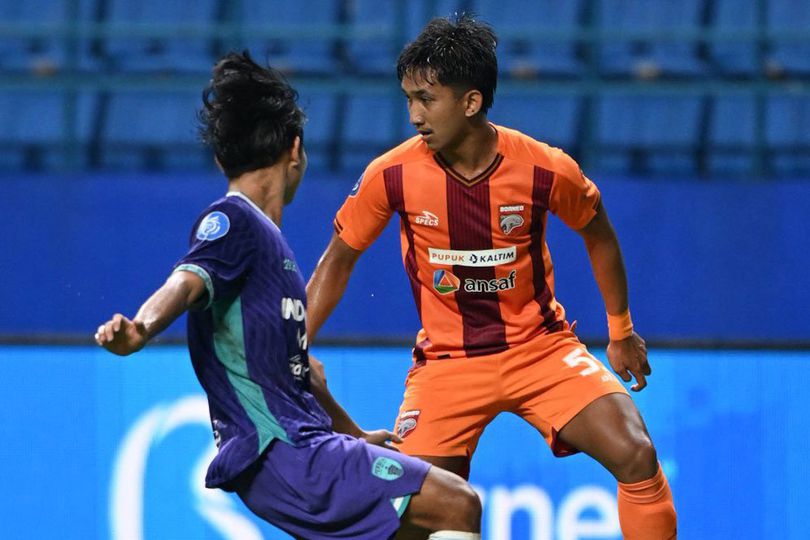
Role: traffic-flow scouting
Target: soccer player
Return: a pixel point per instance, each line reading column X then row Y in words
column 473, row 199
column 248, row 343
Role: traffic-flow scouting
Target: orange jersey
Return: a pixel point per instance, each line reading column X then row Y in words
column 474, row 249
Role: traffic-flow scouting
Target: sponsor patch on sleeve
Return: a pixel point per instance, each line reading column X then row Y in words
column 356, row 187
column 215, row 225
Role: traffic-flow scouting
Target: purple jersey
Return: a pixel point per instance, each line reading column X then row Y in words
column 248, row 342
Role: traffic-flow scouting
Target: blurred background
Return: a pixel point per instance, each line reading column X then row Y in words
column 693, row 117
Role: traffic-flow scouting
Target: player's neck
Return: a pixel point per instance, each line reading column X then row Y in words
column 265, row 187
column 475, row 150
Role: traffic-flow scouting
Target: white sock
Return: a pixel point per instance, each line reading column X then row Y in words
column 454, row 535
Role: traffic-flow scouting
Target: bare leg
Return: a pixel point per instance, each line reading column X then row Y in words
column 611, row 431
column 446, row 501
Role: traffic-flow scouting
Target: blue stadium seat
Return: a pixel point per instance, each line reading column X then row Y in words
column 732, row 135
column 320, row 129
column 36, row 124
column 660, row 132
column 152, row 130
column 735, row 56
column 551, row 119
column 47, row 53
column 175, row 51
column 528, row 54
column 789, row 19
column 373, row 124
column 378, row 55
column 788, row 133
column 306, row 51
column 650, row 57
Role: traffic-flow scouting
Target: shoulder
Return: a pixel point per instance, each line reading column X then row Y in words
column 221, row 217
column 523, row 148
column 408, row 151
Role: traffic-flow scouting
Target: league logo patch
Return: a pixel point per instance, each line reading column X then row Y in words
column 407, row 423
column 356, row 187
column 214, row 225
column 511, row 218
column 387, row 468
column 445, row 282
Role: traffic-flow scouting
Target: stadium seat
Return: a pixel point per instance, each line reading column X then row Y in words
column 156, row 130
column 46, row 53
column 551, row 119
column 789, row 21
column 648, row 134
column 373, row 123
column 732, row 134
column 393, row 24
column 523, row 26
column 734, row 55
column 303, row 46
column 788, row 133
column 180, row 48
column 657, row 52
column 36, row 127
column 320, row 129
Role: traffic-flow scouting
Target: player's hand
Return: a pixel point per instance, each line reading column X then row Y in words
column 381, row 437
column 121, row 336
column 629, row 356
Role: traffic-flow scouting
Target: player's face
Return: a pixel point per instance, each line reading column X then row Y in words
column 436, row 111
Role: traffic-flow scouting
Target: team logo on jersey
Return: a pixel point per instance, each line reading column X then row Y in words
column 511, row 218
column 445, row 282
column 299, row 370
column 476, row 258
column 387, row 468
column 427, row 218
column 356, row 187
column 407, row 422
column 290, row 266
column 214, row 225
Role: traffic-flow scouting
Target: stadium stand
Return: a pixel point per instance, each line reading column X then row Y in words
column 698, row 86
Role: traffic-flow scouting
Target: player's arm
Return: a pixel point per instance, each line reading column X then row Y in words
column 341, row 421
column 328, row 282
column 626, row 354
column 124, row 336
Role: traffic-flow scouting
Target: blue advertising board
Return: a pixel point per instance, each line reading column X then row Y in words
column 97, row 446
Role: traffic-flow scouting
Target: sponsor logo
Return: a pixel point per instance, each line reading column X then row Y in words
column 387, row 468
column 490, row 285
column 290, row 266
column 298, row 368
column 481, row 257
column 445, row 282
column 427, row 218
column 511, row 218
column 214, row 225
column 356, row 187
column 407, row 422
column 293, row 308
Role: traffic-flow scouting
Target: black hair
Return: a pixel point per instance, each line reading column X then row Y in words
column 457, row 51
column 249, row 115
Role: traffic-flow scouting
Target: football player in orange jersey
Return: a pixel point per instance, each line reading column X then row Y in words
column 473, row 199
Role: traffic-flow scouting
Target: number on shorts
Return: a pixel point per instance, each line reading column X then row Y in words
column 580, row 357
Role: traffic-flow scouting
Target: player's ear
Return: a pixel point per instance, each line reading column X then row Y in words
column 296, row 152
column 473, row 100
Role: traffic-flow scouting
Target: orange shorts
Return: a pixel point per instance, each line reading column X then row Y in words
column 546, row 381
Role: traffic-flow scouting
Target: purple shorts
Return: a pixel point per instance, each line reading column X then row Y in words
column 336, row 487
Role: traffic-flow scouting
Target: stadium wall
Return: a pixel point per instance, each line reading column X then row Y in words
column 708, row 262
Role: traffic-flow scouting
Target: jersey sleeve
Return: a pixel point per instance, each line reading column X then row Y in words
column 222, row 251
column 574, row 198
column 365, row 212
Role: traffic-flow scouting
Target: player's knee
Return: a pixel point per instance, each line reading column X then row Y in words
column 467, row 507
column 640, row 461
